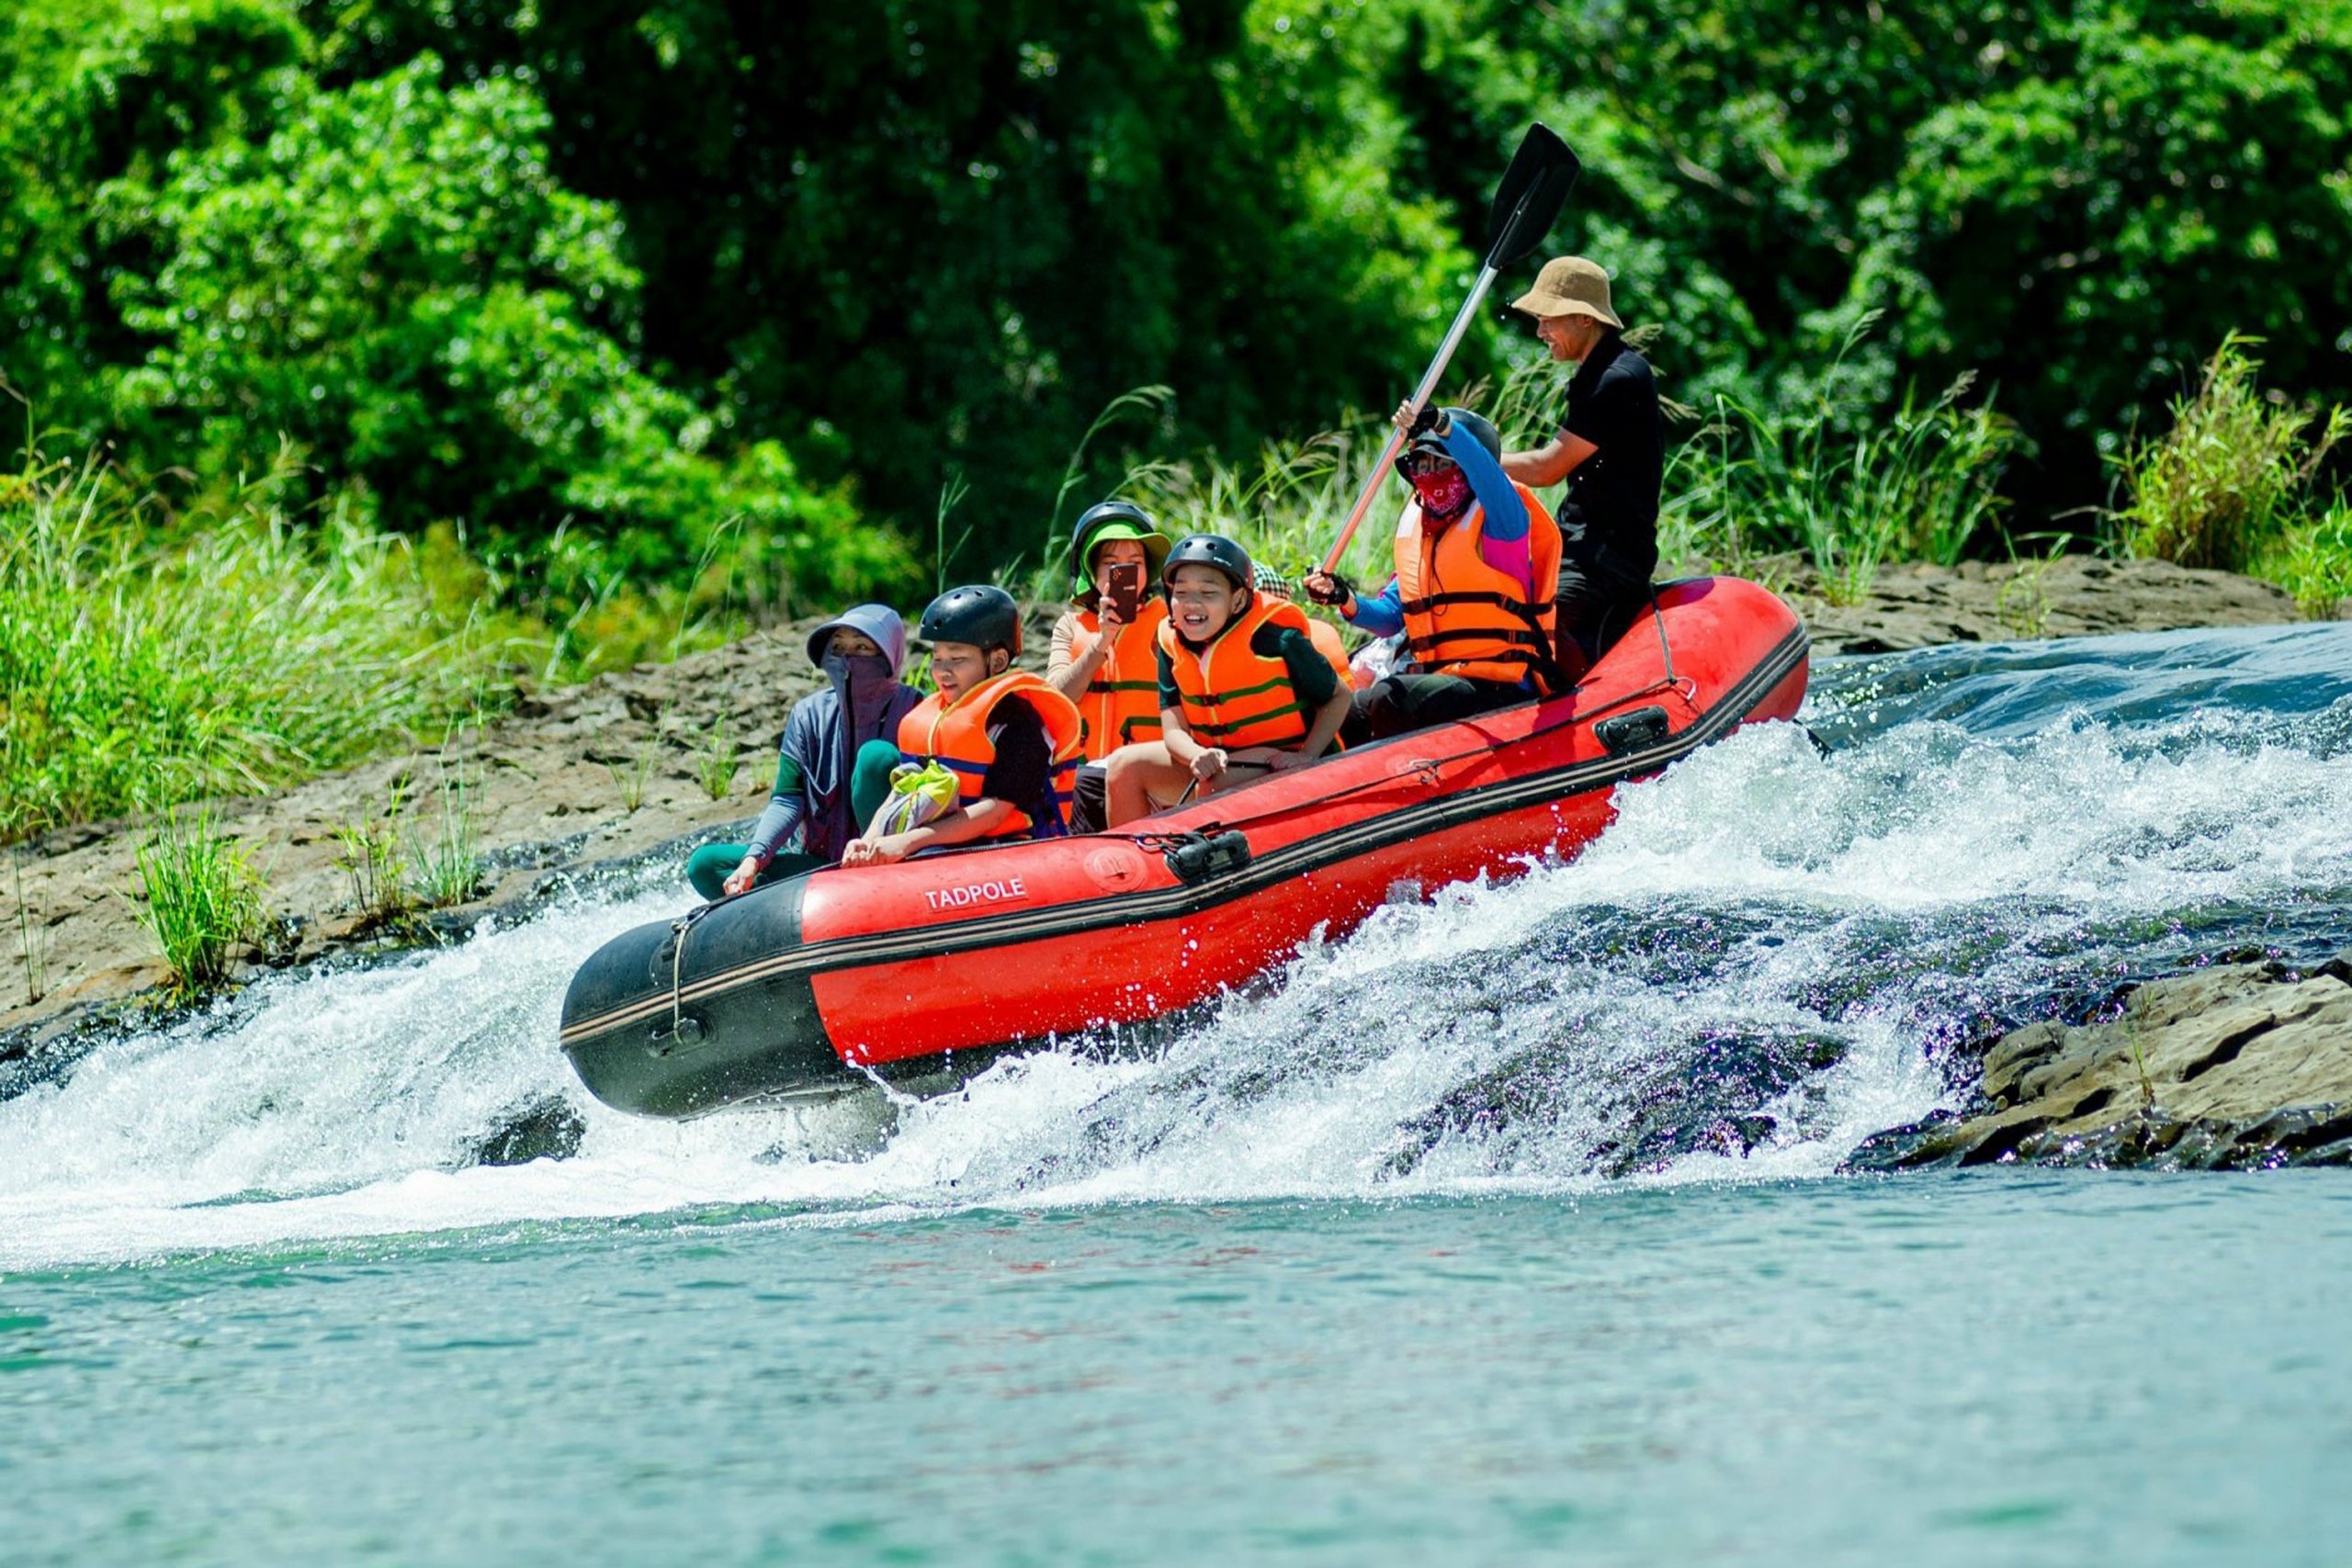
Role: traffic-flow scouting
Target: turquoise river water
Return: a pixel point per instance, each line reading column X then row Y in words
column 1510, row 1229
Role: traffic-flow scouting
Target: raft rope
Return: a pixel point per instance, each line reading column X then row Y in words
column 1426, row 768
column 1665, row 648
column 679, row 928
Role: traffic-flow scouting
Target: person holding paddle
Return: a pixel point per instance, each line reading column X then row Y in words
column 1476, row 557
column 1612, row 452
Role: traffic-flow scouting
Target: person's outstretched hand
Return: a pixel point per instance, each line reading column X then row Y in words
column 1327, row 588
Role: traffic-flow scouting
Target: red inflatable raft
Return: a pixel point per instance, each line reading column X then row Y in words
column 930, row 966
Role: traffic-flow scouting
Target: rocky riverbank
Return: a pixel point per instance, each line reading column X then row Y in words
column 577, row 781
column 1920, row 605
column 2237, row 1066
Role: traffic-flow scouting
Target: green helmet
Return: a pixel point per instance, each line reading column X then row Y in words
column 1477, row 425
column 982, row 615
column 1211, row 549
column 1110, row 520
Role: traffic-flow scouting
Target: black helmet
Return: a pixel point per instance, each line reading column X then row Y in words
column 1211, row 549
column 982, row 615
column 1477, row 424
column 1114, row 520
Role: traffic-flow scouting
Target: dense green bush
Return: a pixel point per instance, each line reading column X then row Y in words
column 389, row 276
column 941, row 234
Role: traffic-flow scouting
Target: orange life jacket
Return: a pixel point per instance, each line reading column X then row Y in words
column 1233, row 696
column 958, row 735
column 1122, row 702
column 1463, row 616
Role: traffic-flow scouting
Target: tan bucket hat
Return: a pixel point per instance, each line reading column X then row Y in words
column 1569, row 286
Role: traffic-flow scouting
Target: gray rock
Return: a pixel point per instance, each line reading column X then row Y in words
column 2235, row 1067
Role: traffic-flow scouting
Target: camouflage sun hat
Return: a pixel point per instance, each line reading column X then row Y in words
column 1266, row 580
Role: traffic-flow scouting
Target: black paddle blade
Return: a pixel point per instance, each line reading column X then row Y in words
column 1534, row 188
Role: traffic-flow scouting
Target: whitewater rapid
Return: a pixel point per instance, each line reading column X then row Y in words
column 1774, row 952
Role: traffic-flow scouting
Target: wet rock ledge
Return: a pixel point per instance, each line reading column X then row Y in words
column 2238, row 1066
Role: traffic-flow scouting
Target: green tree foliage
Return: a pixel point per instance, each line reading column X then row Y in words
column 647, row 264
column 949, row 233
column 388, row 276
column 394, row 280
column 2075, row 202
column 2090, row 233
column 91, row 90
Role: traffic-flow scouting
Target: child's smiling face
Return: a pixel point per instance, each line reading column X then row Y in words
column 1203, row 601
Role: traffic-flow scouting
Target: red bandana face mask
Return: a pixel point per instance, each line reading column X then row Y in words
column 1443, row 492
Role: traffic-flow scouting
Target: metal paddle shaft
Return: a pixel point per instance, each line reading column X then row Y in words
column 1397, row 437
column 1530, row 198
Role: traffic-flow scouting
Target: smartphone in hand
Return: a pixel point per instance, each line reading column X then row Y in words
column 1126, row 590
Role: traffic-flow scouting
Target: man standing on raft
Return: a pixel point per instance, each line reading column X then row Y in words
column 1612, row 452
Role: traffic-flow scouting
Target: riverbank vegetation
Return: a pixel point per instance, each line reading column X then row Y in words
column 200, row 896
column 2234, row 484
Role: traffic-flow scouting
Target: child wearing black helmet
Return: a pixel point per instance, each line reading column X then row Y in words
column 1243, row 689
column 1010, row 740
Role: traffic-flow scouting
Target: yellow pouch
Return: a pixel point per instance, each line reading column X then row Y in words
column 917, row 794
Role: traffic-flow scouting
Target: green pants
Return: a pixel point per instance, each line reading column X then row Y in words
column 869, row 785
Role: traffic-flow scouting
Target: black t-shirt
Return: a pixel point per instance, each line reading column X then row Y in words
column 1023, row 756
column 1608, row 514
column 1311, row 675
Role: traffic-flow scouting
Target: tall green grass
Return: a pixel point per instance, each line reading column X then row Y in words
column 1848, row 489
column 2231, row 484
column 154, row 653
column 200, row 896
column 2219, row 488
column 2313, row 560
column 1845, row 492
column 1284, row 505
column 147, row 659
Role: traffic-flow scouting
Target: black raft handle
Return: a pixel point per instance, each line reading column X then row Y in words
column 1634, row 731
column 1197, row 857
